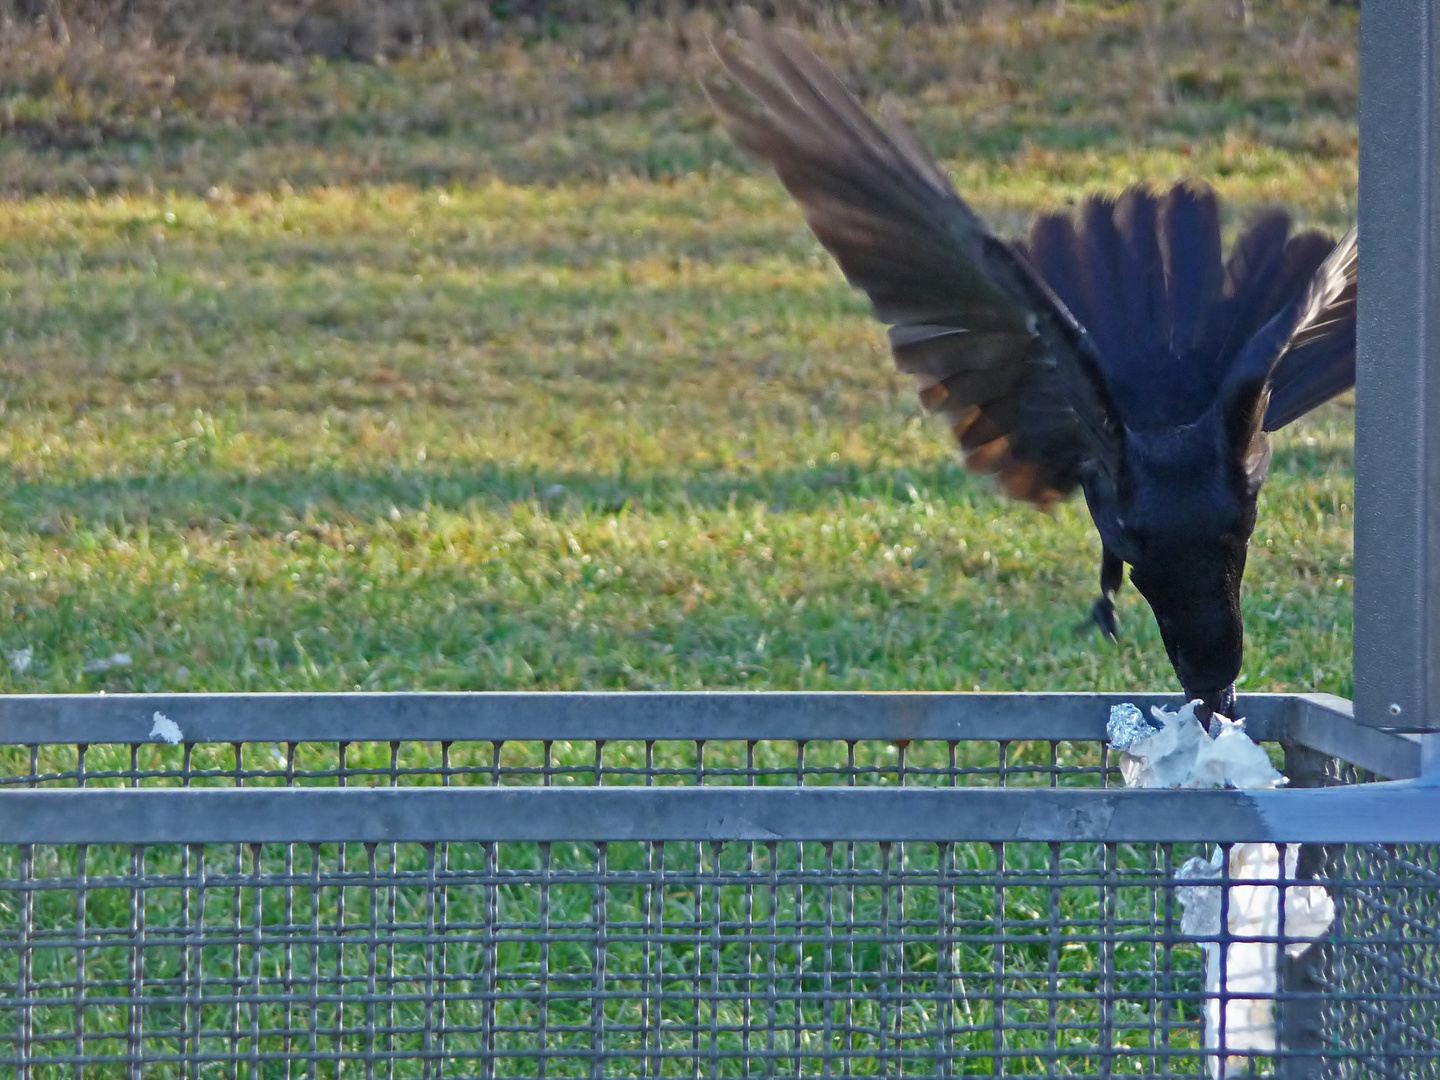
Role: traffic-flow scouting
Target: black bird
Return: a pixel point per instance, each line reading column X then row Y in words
column 1113, row 351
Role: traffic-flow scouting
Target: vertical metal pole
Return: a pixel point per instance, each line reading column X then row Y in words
column 1397, row 417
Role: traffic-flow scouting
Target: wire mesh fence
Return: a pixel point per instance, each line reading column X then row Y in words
column 549, row 763
column 800, row 930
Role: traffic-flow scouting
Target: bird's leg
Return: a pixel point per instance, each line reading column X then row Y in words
column 1102, row 612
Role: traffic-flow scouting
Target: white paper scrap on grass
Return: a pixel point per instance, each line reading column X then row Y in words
column 1180, row 753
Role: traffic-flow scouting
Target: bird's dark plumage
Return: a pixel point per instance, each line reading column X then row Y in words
column 1115, row 350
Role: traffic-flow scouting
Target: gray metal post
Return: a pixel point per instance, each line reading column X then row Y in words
column 1397, row 418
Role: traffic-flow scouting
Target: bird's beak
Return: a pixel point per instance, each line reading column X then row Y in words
column 1217, row 702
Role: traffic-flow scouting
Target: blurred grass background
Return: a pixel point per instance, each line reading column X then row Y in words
column 451, row 345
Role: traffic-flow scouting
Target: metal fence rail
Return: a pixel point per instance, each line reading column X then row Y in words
column 605, row 885
column 620, row 738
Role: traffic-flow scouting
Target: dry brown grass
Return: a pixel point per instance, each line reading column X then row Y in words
column 369, row 29
column 124, row 106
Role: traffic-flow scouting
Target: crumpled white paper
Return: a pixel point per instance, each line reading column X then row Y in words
column 1176, row 752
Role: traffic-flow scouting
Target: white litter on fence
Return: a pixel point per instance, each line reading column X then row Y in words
column 166, row 729
column 1175, row 751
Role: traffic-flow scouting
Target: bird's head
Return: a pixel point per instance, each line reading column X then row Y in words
column 1181, row 515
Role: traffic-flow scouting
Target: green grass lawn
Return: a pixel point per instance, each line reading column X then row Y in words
column 629, row 430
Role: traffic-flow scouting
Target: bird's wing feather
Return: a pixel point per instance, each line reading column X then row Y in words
column 1319, row 360
column 990, row 346
column 1303, row 355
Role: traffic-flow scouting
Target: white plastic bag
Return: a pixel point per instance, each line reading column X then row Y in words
column 1176, row 752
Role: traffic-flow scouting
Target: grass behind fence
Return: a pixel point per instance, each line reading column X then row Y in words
column 676, row 951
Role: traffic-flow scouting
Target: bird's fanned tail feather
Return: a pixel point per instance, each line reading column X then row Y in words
column 1143, row 274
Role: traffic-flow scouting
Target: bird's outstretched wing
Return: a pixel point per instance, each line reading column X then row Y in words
column 990, row 345
column 1319, row 360
column 1303, row 355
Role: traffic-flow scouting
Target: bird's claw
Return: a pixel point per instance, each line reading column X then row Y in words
column 1102, row 614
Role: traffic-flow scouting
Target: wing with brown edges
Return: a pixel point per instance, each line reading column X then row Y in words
column 990, row 346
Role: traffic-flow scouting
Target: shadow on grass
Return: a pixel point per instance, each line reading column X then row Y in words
column 282, row 499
